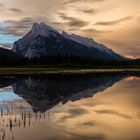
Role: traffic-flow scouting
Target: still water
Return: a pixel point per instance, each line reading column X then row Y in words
column 74, row 107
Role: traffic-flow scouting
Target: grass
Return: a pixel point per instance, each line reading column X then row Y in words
column 18, row 71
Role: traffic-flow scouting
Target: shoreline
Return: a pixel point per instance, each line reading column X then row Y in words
column 34, row 71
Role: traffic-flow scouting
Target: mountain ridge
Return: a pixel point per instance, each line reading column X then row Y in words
column 43, row 40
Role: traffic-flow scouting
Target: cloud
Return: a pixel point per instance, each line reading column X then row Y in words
column 125, row 39
column 64, row 2
column 73, row 21
column 96, row 103
column 6, row 45
column 17, row 27
column 94, row 136
column 108, row 23
column 91, row 32
column 113, row 112
column 88, row 11
column 73, row 112
column 88, row 124
column 59, row 24
column 81, row 16
column 15, row 10
column 77, row 111
column 138, row 19
column 13, row 30
column 133, row 52
column 1, row 5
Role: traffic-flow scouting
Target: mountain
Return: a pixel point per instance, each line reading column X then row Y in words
column 8, row 57
column 42, row 41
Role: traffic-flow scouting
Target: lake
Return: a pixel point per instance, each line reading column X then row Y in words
column 70, row 107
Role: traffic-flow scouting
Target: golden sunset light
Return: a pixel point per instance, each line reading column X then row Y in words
column 69, row 69
column 113, row 23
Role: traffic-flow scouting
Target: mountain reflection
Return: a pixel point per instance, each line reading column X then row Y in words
column 44, row 92
column 37, row 103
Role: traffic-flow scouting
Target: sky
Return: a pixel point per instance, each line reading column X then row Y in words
column 113, row 23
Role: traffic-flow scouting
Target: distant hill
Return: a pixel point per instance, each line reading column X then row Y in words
column 8, row 57
column 134, row 62
column 44, row 42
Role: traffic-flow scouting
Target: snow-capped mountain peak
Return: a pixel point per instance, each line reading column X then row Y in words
column 43, row 29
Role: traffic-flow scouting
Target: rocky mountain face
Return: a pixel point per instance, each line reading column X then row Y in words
column 43, row 40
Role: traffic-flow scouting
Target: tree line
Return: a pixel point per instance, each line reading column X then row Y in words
column 67, row 61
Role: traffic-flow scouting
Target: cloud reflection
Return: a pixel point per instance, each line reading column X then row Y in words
column 113, row 112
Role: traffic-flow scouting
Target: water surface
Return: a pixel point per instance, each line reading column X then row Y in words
column 92, row 107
